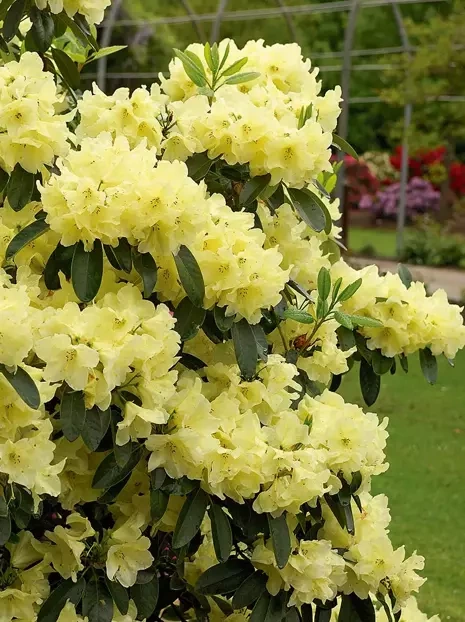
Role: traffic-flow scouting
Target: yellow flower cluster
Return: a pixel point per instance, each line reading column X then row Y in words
column 121, row 341
column 159, row 208
column 411, row 319
column 134, row 116
column 92, row 10
column 257, row 122
column 32, row 133
column 246, row 442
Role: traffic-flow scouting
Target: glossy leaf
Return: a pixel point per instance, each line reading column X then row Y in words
column 370, row 383
column 280, row 538
column 221, row 532
column 87, row 271
column 20, row 188
column 5, row 529
column 381, row 364
column 120, row 256
column 145, row 265
column 429, row 365
column 158, row 503
column 25, row 237
column 308, row 208
column 224, row 578
column 24, row 386
column 65, row 590
column 72, row 414
column 190, row 275
column 405, row 275
column 96, row 426
column 223, row 322
column 189, row 319
column 43, row 28
column 253, row 189
column 13, row 19
column 190, row 518
column 249, row 590
column 109, row 473
column 245, row 348
column 145, row 597
column 59, row 261
column 97, row 603
column 198, row 165
column 67, row 68
column 344, row 146
column 119, row 594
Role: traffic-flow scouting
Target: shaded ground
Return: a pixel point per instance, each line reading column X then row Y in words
column 425, row 483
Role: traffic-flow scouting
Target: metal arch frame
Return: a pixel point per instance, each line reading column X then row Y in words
column 105, row 41
column 195, row 23
column 269, row 13
column 216, row 27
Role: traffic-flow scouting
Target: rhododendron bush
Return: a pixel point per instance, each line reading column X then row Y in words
column 175, row 323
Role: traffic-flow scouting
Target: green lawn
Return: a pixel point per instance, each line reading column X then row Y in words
column 425, row 483
column 383, row 241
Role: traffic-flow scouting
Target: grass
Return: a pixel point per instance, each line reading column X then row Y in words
column 383, row 241
column 425, row 483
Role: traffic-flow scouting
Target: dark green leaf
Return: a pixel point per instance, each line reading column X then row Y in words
column 120, row 256
column 145, row 265
column 24, row 237
column 308, row 208
column 4, row 177
column 344, row 146
column 190, row 275
column 66, row 590
column 157, row 478
column 349, row 291
column 346, row 338
column 385, row 606
column 67, row 68
column 97, row 424
column 190, row 518
column 224, row 578
column 122, row 454
column 403, row 362
column 356, row 482
column 5, row 529
column 381, row 364
column 269, row 608
column 221, row 532
column 158, row 504
column 405, row 275
column 73, row 414
column 223, row 322
column 260, row 610
column 119, row 595
column 4, row 6
column 429, row 365
column 109, row 473
column 24, row 386
column 84, row 27
column 245, row 347
column 299, row 289
column 146, row 575
column 20, row 188
column 249, row 590
column 261, row 342
column 97, row 603
column 193, row 67
column 370, row 383
column 189, row 319
column 240, row 78
column 13, row 19
column 43, row 28
column 198, row 165
column 87, row 271
column 59, row 260
column 307, row 613
column 298, row 315
column 322, row 615
column 191, row 362
column 3, row 507
column 253, row 188
column 354, row 609
column 145, row 597
column 280, row 538
column 324, row 283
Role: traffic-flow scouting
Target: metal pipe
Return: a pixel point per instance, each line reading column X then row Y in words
column 267, row 13
column 343, row 125
column 216, row 28
column 401, row 212
column 105, row 41
column 288, row 19
column 195, row 23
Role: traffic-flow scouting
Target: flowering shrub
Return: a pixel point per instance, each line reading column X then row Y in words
column 359, row 181
column 175, row 324
column 430, row 165
column 421, row 198
column 380, row 166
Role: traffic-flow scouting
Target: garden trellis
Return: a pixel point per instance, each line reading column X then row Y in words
column 225, row 13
